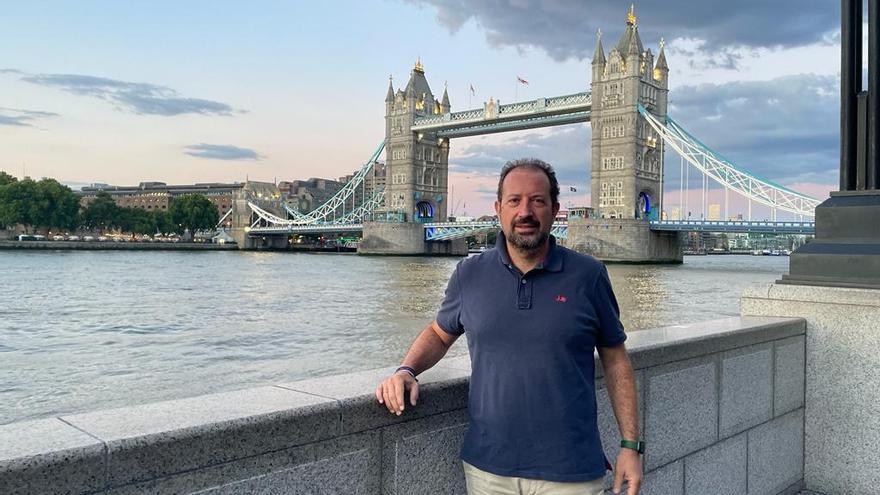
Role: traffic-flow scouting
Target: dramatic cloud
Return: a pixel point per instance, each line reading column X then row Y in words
column 566, row 28
column 22, row 118
column 138, row 98
column 221, row 152
column 785, row 129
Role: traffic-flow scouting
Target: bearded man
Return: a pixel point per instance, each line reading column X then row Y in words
column 533, row 312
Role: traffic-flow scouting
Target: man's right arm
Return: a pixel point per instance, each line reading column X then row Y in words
column 428, row 348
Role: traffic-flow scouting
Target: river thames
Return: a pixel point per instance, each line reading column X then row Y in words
column 86, row 330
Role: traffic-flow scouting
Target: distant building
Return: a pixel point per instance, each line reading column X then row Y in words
column 153, row 196
column 714, row 211
column 306, row 195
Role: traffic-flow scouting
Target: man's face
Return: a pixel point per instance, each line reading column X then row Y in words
column 525, row 210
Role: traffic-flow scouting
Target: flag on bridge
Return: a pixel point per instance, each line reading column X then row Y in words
column 572, row 189
column 521, row 81
column 473, row 91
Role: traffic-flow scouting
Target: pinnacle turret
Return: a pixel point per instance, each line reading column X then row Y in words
column 599, row 54
column 661, row 58
column 390, row 96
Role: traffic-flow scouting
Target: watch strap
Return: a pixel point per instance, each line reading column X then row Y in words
column 638, row 446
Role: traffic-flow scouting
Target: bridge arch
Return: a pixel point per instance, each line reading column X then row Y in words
column 424, row 211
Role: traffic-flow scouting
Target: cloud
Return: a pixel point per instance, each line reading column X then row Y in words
column 221, row 152
column 566, row 28
column 567, row 148
column 22, row 118
column 785, row 129
column 138, row 98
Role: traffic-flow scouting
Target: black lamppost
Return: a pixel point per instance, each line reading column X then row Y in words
column 846, row 250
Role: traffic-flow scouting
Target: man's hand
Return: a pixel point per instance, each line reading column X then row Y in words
column 392, row 390
column 629, row 469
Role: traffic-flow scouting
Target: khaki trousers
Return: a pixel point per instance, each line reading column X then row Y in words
column 480, row 482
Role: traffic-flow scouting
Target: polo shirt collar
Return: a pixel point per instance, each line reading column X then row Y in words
column 552, row 263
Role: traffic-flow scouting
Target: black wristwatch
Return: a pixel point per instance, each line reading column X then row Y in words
column 638, row 446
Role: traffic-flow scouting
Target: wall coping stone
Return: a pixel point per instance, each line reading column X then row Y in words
column 138, row 443
column 809, row 293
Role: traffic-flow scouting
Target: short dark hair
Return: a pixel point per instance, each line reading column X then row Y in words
column 535, row 164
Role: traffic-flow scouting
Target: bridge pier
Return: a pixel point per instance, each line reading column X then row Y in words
column 406, row 239
column 623, row 240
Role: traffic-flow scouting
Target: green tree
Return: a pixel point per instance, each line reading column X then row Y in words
column 102, row 213
column 193, row 212
column 162, row 222
column 139, row 221
column 57, row 205
column 19, row 203
column 6, row 179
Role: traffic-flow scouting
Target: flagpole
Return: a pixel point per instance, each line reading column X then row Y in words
column 516, row 90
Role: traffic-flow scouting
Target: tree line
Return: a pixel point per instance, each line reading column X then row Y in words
column 47, row 204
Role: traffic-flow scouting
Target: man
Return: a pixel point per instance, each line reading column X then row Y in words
column 533, row 312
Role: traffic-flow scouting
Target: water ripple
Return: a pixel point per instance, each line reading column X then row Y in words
column 115, row 333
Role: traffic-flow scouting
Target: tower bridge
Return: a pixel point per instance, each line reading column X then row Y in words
column 626, row 107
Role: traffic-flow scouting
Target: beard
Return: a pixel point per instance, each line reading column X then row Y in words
column 529, row 242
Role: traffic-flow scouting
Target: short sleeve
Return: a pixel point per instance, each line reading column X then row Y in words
column 610, row 331
column 449, row 315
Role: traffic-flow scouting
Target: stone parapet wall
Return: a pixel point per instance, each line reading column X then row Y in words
column 722, row 412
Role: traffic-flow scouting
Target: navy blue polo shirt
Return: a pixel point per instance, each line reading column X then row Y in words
column 532, row 402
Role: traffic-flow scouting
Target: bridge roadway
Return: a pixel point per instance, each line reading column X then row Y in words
column 456, row 230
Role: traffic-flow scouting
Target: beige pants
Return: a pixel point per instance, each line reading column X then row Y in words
column 480, row 482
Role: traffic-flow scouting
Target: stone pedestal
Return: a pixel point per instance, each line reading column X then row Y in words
column 846, row 250
column 623, row 241
column 842, row 376
column 405, row 238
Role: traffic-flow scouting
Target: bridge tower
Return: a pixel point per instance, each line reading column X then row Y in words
column 416, row 163
column 627, row 155
column 416, row 179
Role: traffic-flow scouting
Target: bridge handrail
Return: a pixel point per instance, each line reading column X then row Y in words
column 574, row 100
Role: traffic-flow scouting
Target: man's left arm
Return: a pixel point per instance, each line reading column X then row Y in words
column 621, row 383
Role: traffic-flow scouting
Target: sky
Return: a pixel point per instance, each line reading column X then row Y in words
column 198, row 91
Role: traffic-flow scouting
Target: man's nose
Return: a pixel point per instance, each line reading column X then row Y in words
column 524, row 209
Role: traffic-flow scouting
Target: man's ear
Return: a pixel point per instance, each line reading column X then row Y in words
column 555, row 209
column 498, row 208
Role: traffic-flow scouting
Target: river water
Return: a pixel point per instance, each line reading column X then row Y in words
column 86, row 330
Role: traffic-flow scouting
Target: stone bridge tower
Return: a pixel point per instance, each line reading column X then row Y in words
column 416, row 163
column 416, row 175
column 627, row 155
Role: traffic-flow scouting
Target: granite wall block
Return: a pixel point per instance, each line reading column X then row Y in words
column 746, row 389
column 681, row 404
column 776, row 454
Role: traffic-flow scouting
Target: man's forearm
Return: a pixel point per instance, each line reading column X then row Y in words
column 427, row 349
column 621, row 383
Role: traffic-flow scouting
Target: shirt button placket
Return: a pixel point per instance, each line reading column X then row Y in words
column 524, row 295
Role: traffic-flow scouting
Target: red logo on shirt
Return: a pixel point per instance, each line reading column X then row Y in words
column 561, row 299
